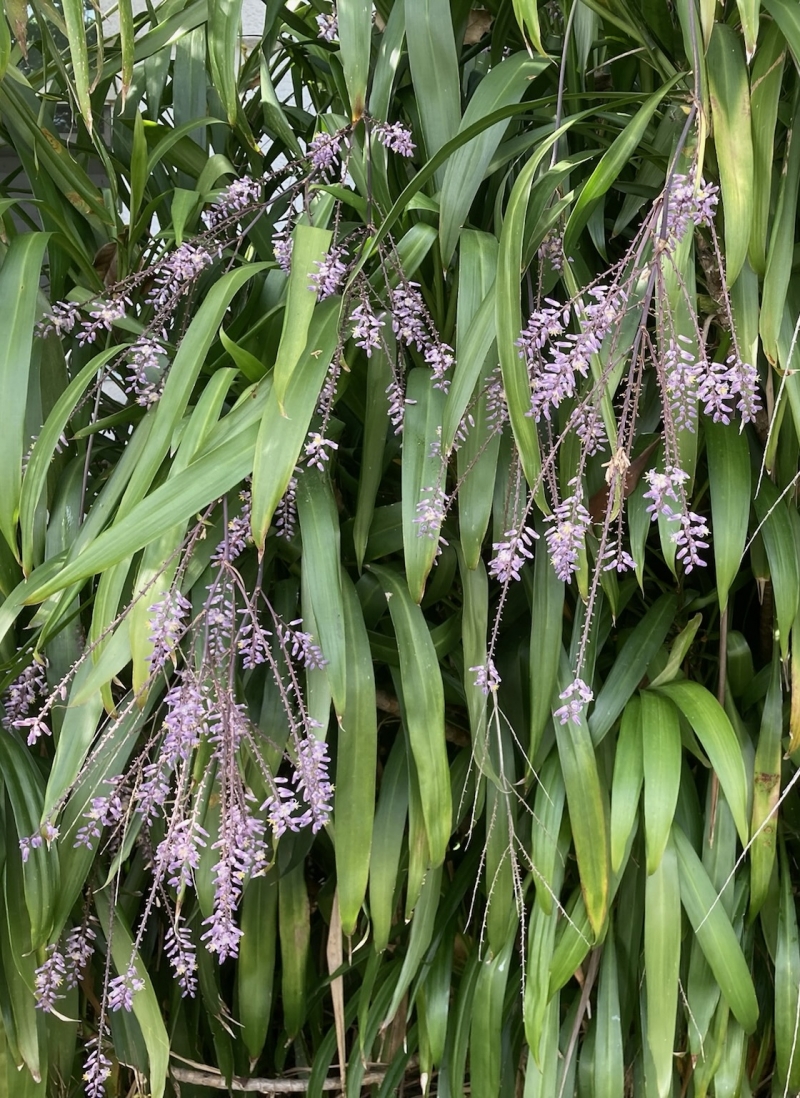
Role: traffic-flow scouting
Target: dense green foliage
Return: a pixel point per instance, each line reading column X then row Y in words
column 419, row 382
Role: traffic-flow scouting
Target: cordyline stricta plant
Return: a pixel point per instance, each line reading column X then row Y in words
column 399, row 549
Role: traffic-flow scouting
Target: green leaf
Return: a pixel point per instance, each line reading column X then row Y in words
column 310, row 244
column 434, row 70
column 224, row 28
column 284, row 428
column 74, row 17
column 766, row 791
column 587, row 810
column 19, row 289
column 356, row 757
column 424, row 703
column 729, row 487
column 662, row 955
column 730, row 113
column 626, row 785
column 354, row 19
column 255, row 970
column 630, row 666
column 423, row 473
column 715, row 934
column 319, row 526
column 611, row 164
column 713, row 729
column 466, row 168
column 146, row 1006
column 782, row 554
column 787, row 984
column 661, row 759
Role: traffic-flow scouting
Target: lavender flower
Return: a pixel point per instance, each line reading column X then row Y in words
column 689, row 205
column 430, row 512
column 397, row 405
column 286, row 512
column 328, row 27
column 615, row 558
column 49, row 979
column 690, row 541
column 511, row 554
column 237, row 533
column 178, row 272
column 104, row 811
column 312, row 780
column 486, row 677
column 147, row 369
column 317, row 451
column 235, row 199
column 368, row 328
column 282, row 247
column 395, row 137
column 78, row 950
column 23, row 694
column 324, row 152
column 102, row 317
column 565, row 538
column 301, row 645
column 330, row 274
column 168, row 624
column 178, row 854
column 96, row 1070
column 251, row 640
column 61, row 319
column 179, row 948
column 122, row 989
column 282, row 808
column 576, row 696
column 408, row 309
column 440, row 358
column 496, row 407
column 662, row 488
column 682, row 376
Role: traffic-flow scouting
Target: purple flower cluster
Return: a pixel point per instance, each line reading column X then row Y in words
column 682, row 377
column 178, row 854
column 511, row 554
column 146, row 361
column 121, row 989
column 662, row 488
column 286, row 512
column 690, row 541
column 566, row 536
column 318, row 451
column 551, row 251
column 301, row 645
column 241, row 195
column 96, row 1070
column 689, row 204
column 282, row 247
column 723, row 383
column 486, row 677
column 102, row 318
column 368, row 329
column 331, row 272
column 24, row 693
column 168, row 625
column 178, row 272
column 395, row 137
column 576, row 697
column 328, row 27
column 104, row 811
column 397, row 405
column 408, row 310
column 242, row 854
column 179, row 948
column 61, row 319
column 312, row 780
column 430, row 512
column 554, row 377
column 63, row 969
column 440, row 358
column 323, row 152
